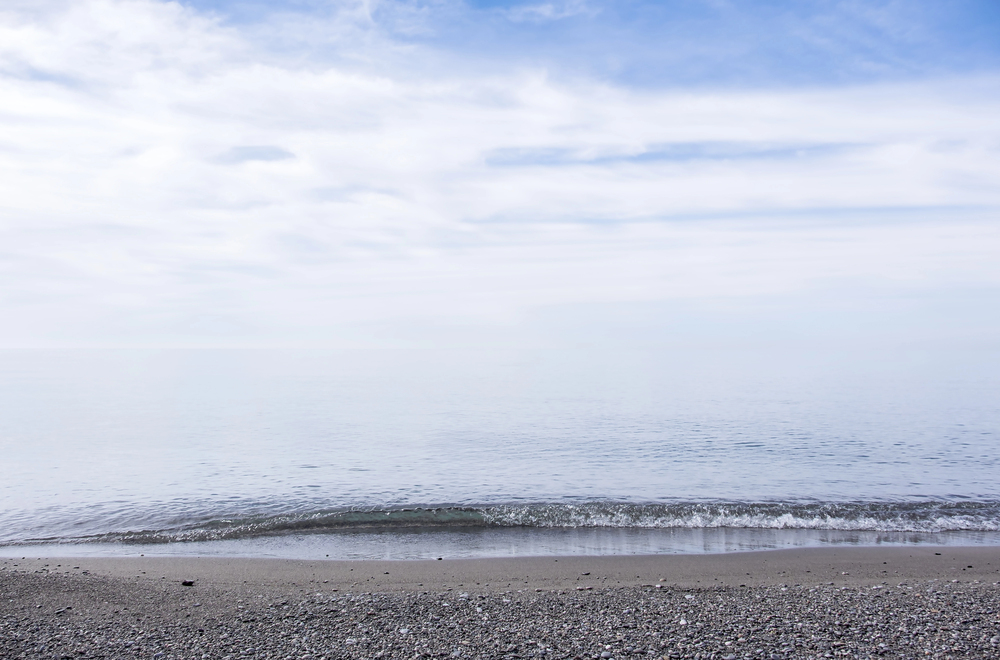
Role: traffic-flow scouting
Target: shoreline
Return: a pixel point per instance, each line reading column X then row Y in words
column 804, row 566
column 809, row 603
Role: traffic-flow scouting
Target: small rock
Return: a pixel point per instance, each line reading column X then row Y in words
column 187, row 583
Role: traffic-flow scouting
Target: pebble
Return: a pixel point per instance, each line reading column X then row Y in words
column 104, row 617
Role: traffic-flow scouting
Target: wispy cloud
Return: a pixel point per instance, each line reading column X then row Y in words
column 264, row 153
column 550, row 11
column 170, row 168
column 675, row 152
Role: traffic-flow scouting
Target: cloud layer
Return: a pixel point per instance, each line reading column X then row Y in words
column 167, row 178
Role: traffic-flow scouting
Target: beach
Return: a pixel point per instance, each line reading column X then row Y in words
column 819, row 602
column 499, row 329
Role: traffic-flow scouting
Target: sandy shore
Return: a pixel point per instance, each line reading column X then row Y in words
column 830, row 602
column 842, row 565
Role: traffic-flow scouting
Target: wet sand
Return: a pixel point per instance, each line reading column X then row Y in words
column 841, row 565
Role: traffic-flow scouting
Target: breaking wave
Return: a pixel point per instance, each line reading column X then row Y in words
column 925, row 517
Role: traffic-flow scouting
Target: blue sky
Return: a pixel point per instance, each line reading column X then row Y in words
column 565, row 172
column 684, row 42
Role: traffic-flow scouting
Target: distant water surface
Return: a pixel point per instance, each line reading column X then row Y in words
column 205, row 446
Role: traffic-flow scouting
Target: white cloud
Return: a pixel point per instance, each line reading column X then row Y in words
column 549, row 11
column 165, row 181
column 265, row 153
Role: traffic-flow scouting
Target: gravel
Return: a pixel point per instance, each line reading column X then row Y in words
column 44, row 615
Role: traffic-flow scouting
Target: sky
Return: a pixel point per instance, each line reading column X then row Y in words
column 482, row 173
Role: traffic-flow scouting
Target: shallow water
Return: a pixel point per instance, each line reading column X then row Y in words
column 109, row 445
column 466, row 543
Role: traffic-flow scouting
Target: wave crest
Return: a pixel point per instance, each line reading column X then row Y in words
column 924, row 517
column 847, row 516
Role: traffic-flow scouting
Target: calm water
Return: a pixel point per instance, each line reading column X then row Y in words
column 401, row 453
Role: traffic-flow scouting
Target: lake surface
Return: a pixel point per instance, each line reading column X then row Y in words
column 410, row 453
